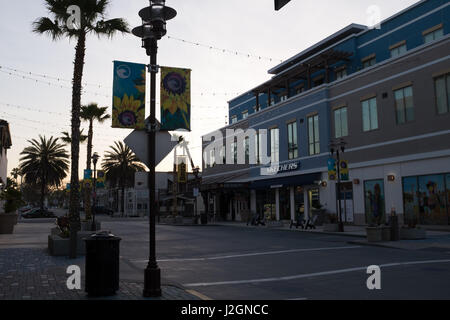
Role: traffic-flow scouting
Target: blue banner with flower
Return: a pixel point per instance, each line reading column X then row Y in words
column 175, row 99
column 129, row 95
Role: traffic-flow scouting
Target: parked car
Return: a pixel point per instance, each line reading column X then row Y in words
column 102, row 210
column 38, row 213
column 25, row 209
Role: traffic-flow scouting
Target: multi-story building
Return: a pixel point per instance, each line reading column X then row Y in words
column 5, row 144
column 383, row 91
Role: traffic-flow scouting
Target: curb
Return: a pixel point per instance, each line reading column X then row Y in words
column 375, row 244
column 297, row 230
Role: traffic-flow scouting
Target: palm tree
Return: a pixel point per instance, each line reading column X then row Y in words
column 15, row 173
column 91, row 113
column 45, row 163
column 92, row 13
column 120, row 165
column 67, row 139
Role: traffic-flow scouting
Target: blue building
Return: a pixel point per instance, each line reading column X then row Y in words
column 346, row 88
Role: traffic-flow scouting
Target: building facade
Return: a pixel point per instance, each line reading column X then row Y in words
column 383, row 92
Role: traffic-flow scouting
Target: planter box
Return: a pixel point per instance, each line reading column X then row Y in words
column 58, row 246
column 7, row 223
column 331, row 227
column 87, row 226
column 386, row 233
column 374, row 234
column 412, row 234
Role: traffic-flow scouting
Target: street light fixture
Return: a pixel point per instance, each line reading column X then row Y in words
column 338, row 147
column 95, row 158
column 153, row 28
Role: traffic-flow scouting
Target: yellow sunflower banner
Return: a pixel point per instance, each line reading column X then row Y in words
column 129, row 95
column 175, row 99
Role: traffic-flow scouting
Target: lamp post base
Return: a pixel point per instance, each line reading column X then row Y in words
column 152, row 282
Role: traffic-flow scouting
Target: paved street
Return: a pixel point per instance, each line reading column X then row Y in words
column 231, row 262
column 226, row 262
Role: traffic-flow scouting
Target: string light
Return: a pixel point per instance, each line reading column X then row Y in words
column 225, row 51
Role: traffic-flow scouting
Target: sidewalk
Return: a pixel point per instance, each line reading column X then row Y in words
column 27, row 272
column 435, row 241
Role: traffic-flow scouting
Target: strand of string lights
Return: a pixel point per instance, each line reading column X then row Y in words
column 11, row 72
column 227, row 51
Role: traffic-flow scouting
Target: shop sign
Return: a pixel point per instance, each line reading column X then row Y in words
column 276, row 169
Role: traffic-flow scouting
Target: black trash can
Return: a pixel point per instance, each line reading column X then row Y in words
column 204, row 218
column 102, row 264
column 395, row 236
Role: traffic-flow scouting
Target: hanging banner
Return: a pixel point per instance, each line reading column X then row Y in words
column 331, row 169
column 175, row 99
column 344, row 170
column 100, row 179
column 129, row 95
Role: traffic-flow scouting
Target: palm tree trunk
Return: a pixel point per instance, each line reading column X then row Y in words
column 88, row 191
column 74, row 210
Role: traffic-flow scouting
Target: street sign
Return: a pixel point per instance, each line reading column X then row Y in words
column 138, row 142
column 280, row 4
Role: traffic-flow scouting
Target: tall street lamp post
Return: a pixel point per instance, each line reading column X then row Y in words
column 95, row 158
column 153, row 28
column 338, row 147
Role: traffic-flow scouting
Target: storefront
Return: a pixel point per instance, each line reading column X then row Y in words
column 287, row 197
column 427, row 199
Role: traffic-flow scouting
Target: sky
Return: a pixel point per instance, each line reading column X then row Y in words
column 249, row 27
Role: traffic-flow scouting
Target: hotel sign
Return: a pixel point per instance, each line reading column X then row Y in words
column 280, row 168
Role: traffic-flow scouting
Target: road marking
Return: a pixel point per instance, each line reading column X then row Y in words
column 250, row 254
column 199, row 295
column 310, row 275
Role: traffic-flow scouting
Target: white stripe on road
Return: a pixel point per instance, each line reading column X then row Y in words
column 250, row 254
column 310, row 275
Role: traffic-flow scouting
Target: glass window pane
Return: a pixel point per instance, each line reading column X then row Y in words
column 441, row 96
column 399, row 106
column 409, row 103
column 428, row 37
column 438, row 34
column 373, row 114
column 317, row 148
column 366, row 115
column 310, row 130
column 316, row 129
column 411, row 200
column 374, row 202
column 448, row 92
column 344, row 124
column 294, row 134
column 432, row 200
column 337, row 123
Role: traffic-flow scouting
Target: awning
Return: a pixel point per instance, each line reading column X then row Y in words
column 291, row 181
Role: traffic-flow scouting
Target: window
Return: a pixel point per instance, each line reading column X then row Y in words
column 370, row 114
column 442, row 87
column 292, row 140
column 433, row 34
column 374, row 202
column 319, row 81
column 245, row 114
column 404, row 107
column 300, row 89
column 233, row 119
column 313, row 135
column 247, row 149
column 369, row 61
column 398, row 49
column 212, row 158
column 234, row 152
column 340, row 122
column 275, row 145
column 341, row 73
